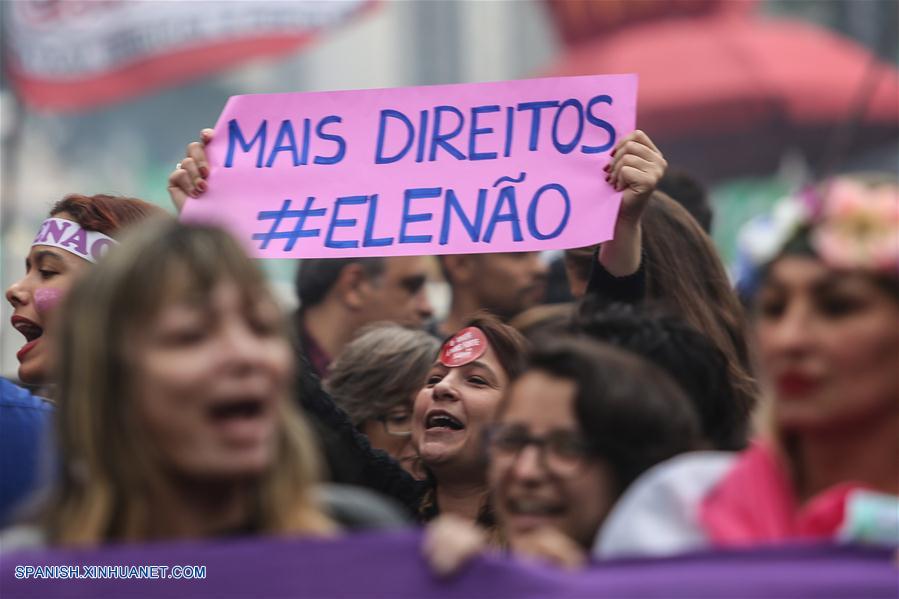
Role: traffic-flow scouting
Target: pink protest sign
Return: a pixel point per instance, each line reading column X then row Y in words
column 485, row 167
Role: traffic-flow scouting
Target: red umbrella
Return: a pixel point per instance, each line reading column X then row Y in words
column 727, row 95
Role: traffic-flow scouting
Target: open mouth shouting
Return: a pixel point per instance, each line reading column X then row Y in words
column 442, row 421
column 32, row 332
column 241, row 419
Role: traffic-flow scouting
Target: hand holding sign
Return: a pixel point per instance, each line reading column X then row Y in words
column 189, row 176
column 637, row 166
column 450, row 542
column 444, row 169
column 549, row 545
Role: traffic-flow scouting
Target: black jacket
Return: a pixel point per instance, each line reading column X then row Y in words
column 348, row 455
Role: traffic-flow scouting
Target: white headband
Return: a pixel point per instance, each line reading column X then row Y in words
column 70, row 236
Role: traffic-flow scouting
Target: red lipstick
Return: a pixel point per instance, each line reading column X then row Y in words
column 31, row 330
column 796, row 384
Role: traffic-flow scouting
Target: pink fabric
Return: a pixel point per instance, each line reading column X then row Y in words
column 755, row 502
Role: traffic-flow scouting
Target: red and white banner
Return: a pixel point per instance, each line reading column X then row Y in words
column 69, row 55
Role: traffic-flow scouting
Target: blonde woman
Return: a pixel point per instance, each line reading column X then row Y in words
column 175, row 419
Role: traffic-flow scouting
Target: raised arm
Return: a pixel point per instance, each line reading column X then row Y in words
column 636, row 167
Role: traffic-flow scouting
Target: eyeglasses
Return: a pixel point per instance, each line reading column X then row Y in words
column 397, row 422
column 564, row 453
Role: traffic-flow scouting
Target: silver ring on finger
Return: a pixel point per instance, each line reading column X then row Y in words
column 178, row 167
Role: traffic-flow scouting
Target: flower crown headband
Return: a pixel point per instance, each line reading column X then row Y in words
column 846, row 223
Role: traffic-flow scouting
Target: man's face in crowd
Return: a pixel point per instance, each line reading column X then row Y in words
column 398, row 294
column 509, row 283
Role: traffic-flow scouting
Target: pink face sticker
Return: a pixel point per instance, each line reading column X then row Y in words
column 46, row 299
column 466, row 346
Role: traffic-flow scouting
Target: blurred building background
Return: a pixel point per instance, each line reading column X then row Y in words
column 753, row 97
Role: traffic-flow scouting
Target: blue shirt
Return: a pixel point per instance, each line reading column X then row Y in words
column 24, row 433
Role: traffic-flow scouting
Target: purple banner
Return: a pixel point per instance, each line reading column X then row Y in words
column 390, row 565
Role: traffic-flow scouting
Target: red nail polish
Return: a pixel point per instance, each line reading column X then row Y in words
column 204, row 172
column 201, row 185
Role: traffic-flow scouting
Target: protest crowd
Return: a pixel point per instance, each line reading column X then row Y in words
column 658, row 412
column 631, row 399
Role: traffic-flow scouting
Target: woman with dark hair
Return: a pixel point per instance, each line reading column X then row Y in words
column 685, row 273
column 678, row 268
column 826, row 326
column 79, row 230
column 452, row 411
column 660, row 253
column 452, row 408
column 581, row 423
column 689, row 357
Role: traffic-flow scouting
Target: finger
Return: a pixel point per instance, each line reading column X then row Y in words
column 560, row 551
column 634, row 161
column 454, row 544
column 177, row 193
column 433, row 534
column 444, row 563
column 205, row 137
column 178, row 197
column 553, row 547
column 643, row 138
column 634, row 147
column 443, row 532
column 196, row 151
column 654, row 168
column 460, row 555
column 638, row 136
column 447, row 557
column 636, row 179
column 189, row 165
column 569, row 560
column 623, row 140
column 181, row 180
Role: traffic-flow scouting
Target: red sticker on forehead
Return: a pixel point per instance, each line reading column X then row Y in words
column 465, row 346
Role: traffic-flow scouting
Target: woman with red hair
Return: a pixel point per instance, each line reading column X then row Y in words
column 79, row 230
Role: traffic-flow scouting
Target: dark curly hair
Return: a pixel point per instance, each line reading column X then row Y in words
column 687, row 355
